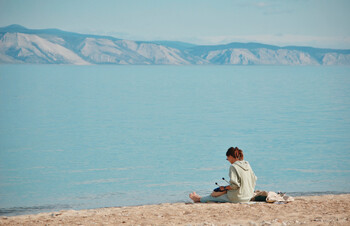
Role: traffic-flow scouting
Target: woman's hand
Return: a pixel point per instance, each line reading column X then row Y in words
column 228, row 188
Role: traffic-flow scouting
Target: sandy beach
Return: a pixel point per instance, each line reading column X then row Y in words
column 306, row 210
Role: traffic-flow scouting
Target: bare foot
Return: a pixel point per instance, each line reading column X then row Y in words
column 195, row 197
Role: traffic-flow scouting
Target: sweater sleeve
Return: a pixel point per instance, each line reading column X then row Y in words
column 234, row 179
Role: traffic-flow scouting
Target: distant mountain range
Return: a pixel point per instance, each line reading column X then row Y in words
column 52, row 46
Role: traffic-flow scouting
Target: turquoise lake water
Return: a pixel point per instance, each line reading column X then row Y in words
column 76, row 137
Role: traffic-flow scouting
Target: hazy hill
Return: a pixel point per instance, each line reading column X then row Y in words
column 52, row 46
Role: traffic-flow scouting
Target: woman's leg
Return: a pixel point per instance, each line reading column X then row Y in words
column 195, row 197
column 209, row 198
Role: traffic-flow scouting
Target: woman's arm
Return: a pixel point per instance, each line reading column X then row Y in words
column 234, row 180
column 223, row 191
column 218, row 193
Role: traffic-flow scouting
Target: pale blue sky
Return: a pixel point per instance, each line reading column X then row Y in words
column 318, row 23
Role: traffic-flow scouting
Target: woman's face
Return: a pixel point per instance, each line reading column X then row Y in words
column 231, row 159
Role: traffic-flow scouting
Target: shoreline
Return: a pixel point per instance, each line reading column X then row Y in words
column 11, row 212
column 310, row 210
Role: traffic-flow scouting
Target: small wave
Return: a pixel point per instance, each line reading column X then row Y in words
column 93, row 170
column 13, row 211
column 318, row 170
column 169, row 184
column 101, row 181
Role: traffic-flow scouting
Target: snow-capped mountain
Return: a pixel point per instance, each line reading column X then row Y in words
column 30, row 48
column 256, row 53
column 51, row 46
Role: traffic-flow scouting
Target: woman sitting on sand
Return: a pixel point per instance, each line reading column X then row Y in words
column 242, row 181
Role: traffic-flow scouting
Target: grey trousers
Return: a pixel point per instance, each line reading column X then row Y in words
column 221, row 198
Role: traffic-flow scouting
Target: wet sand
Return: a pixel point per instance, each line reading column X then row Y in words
column 306, row 210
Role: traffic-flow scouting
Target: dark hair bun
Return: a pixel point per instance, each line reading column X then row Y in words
column 235, row 152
